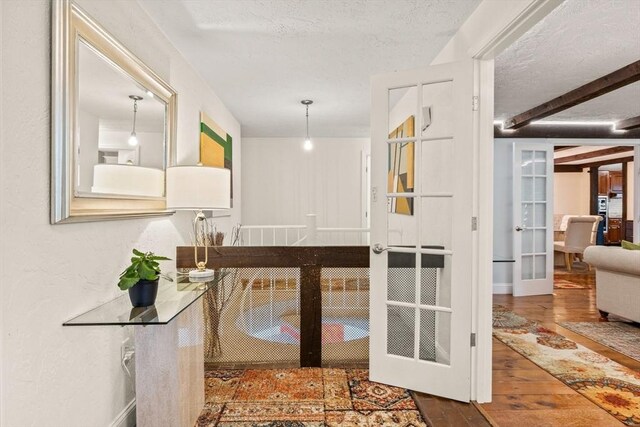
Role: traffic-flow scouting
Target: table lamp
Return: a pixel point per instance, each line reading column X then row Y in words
column 198, row 188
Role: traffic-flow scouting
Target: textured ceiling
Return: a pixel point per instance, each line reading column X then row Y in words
column 263, row 56
column 578, row 42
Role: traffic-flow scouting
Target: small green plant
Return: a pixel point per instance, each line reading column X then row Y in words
column 144, row 266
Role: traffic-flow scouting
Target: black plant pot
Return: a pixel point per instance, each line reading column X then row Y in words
column 143, row 293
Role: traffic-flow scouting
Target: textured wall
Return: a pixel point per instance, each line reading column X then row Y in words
column 51, row 375
column 282, row 182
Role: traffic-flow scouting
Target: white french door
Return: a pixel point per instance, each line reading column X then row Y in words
column 422, row 229
column 533, row 219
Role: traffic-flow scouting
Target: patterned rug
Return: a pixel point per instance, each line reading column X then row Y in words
column 613, row 387
column 567, row 284
column 311, row 397
column 621, row 336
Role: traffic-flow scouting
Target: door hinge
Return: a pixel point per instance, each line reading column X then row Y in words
column 473, row 339
column 474, row 223
column 475, row 102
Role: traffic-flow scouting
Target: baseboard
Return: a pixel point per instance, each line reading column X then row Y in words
column 502, row 288
column 126, row 418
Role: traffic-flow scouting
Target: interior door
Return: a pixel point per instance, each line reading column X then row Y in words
column 533, row 219
column 422, row 229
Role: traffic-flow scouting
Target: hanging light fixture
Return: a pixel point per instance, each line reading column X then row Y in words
column 133, row 138
column 308, row 146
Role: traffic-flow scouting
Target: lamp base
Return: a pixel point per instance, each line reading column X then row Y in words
column 201, row 274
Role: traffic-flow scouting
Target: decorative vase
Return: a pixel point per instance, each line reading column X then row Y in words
column 143, row 293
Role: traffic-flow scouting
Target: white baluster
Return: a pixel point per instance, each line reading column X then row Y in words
column 312, row 229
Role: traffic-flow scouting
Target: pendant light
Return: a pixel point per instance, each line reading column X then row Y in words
column 133, row 138
column 308, row 146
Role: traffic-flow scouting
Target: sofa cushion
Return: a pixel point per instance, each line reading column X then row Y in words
column 613, row 258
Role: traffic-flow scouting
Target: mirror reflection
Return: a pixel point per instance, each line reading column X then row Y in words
column 121, row 141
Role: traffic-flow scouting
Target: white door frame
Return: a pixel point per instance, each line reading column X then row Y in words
column 492, row 27
column 636, row 194
column 365, row 167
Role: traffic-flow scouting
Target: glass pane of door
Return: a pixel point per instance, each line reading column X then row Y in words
column 533, row 214
column 419, row 293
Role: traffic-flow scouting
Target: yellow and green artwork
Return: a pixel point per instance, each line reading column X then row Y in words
column 401, row 168
column 215, row 146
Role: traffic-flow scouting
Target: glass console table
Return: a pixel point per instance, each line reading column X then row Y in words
column 173, row 298
column 169, row 357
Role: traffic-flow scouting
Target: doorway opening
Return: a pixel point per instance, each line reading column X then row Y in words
column 591, row 183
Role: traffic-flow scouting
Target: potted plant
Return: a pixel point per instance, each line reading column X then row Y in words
column 141, row 278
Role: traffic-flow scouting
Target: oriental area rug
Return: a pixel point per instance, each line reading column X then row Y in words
column 304, row 397
column 621, row 336
column 613, row 387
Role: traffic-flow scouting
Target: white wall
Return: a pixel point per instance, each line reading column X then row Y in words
column 151, row 145
column 52, row 375
column 88, row 149
column 282, row 182
column 503, row 214
column 571, row 193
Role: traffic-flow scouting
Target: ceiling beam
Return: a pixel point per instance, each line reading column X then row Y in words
column 607, row 162
column 628, row 124
column 592, row 154
column 610, row 82
column 567, row 168
column 566, row 131
column 563, row 147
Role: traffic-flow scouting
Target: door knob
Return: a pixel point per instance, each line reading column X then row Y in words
column 378, row 248
column 518, row 228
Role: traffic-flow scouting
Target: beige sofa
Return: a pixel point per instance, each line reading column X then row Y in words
column 617, row 280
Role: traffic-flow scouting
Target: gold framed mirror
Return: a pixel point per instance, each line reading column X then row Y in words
column 113, row 125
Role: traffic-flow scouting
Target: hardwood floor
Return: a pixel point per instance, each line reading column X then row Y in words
column 525, row 394
column 440, row 412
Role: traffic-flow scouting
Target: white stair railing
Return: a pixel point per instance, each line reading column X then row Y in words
column 302, row 235
column 272, row 235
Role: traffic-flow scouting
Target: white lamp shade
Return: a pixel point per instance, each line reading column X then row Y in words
column 127, row 180
column 198, row 188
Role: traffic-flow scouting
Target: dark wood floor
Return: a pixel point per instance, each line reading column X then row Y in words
column 526, row 395
column 439, row 412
